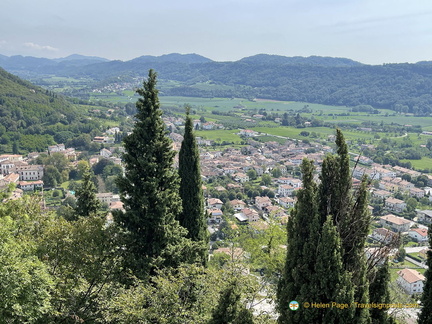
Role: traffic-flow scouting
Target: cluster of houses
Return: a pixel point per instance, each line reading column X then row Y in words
column 15, row 169
column 244, row 213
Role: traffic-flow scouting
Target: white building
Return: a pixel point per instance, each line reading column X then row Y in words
column 397, row 224
column 384, row 235
column 411, row 281
column 424, row 216
column 285, row 190
column 30, row 172
column 419, row 234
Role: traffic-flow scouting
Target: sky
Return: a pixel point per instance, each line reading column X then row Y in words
column 368, row 31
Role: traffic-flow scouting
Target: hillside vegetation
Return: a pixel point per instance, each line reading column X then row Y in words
column 334, row 81
column 27, row 110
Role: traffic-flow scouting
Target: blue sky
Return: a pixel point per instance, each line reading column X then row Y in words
column 369, row 31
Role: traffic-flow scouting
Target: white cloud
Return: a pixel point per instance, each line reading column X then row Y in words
column 2, row 43
column 41, row 47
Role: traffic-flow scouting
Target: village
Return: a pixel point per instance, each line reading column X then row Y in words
column 257, row 183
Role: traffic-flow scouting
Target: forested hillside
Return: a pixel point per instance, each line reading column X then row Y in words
column 31, row 118
column 326, row 80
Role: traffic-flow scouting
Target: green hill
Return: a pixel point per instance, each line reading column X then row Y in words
column 31, row 118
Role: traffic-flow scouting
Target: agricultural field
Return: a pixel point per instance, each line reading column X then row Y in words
column 424, row 163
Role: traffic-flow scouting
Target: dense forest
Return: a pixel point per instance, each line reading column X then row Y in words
column 335, row 81
column 31, row 118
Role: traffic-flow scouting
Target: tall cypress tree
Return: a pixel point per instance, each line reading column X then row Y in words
column 193, row 216
column 298, row 279
column 149, row 191
column 230, row 308
column 87, row 203
column 379, row 293
column 348, row 209
column 425, row 316
column 313, row 246
column 333, row 282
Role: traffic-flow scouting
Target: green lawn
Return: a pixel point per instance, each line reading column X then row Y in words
column 424, row 163
column 220, row 135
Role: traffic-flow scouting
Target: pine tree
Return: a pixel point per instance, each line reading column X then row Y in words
column 425, row 316
column 193, row 216
column 149, row 191
column 87, row 203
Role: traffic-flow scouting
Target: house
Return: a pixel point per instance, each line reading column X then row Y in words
column 419, row 234
column 105, row 153
column 394, row 204
column 262, row 202
column 251, row 214
column 287, row 202
column 275, row 211
column 56, row 148
column 11, row 178
column 397, row 224
column 285, row 190
column 11, row 157
column 424, row 216
column 416, row 192
column 383, row 235
column 381, row 194
column 214, row 203
column 248, row 133
column 215, row 215
column 107, row 197
column 242, row 218
column 411, row 281
column 241, row 177
column 7, row 166
column 237, row 204
column 30, row 185
column 30, row 172
column 116, row 205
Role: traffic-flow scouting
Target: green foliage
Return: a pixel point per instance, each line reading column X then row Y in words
column 425, row 316
column 193, row 216
column 379, row 293
column 33, row 118
column 276, row 173
column 297, row 281
column 25, row 284
column 266, row 179
column 230, row 309
column 313, row 243
column 87, row 204
column 252, row 174
column 149, row 191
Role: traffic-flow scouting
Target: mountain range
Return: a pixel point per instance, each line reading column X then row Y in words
column 335, row 81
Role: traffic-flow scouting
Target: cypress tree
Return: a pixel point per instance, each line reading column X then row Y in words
column 230, row 309
column 315, row 251
column 379, row 293
column 87, row 203
column 333, row 282
column 149, row 191
column 193, row 216
column 351, row 217
column 425, row 316
column 298, row 280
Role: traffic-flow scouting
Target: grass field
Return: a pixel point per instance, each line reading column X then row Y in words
column 220, row 135
column 424, row 163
